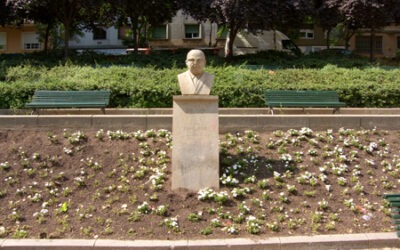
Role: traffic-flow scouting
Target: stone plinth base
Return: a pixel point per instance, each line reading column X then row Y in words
column 195, row 147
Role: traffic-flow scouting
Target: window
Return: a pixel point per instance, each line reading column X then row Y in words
column 192, row 31
column 99, row 33
column 3, row 40
column 30, row 41
column 398, row 42
column 306, row 34
column 363, row 44
column 159, row 32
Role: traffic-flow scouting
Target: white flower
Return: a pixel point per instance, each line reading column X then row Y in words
column 328, row 188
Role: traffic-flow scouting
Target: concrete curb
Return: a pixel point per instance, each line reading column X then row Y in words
column 227, row 123
column 321, row 242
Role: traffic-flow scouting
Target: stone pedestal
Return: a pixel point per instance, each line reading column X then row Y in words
column 195, row 146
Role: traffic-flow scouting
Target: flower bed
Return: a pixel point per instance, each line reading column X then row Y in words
column 115, row 184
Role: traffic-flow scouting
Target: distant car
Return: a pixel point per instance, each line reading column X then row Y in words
column 288, row 44
column 336, row 51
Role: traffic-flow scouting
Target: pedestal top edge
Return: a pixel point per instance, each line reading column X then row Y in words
column 195, row 98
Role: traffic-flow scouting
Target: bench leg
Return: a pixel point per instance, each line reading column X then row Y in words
column 336, row 110
column 103, row 110
column 271, row 109
column 35, row 111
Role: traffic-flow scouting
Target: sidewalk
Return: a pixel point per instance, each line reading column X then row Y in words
column 321, row 242
column 230, row 120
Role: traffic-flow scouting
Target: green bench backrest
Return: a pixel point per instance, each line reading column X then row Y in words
column 392, row 197
column 55, row 96
column 301, row 96
column 394, row 200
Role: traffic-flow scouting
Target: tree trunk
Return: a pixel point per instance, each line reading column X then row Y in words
column 135, row 37
column 67, row 30
column 372, row 44
column 229, row 43
column 328, row 35
column 46, row 38
column 210, row 42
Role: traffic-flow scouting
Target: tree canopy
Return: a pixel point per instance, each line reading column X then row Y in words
column 5, row 13
column 72, row 14
column 236, row 15
column 254, row 16
column 371, row 14
column 139, row 14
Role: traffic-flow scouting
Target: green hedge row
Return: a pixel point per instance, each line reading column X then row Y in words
column 235, row 86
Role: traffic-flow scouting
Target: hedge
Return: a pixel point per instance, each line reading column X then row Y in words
column 236, row 86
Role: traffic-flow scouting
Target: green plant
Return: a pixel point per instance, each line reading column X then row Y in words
column 20, row 234
column 172, row 223
column 193, row 217
column 206, row 231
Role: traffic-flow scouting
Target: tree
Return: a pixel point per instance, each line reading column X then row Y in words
column 328, row 17
column 288, row 16
column 371, row 14
column 251, row 15
column 72, row 14
column 395, row 10
column 37, row 11
column 5, row 13
column 139, row 14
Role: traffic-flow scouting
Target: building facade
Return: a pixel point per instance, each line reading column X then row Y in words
column 314, row 38
column 182, row 32
column 386, row 42
column 19, row 39
column 185, row 32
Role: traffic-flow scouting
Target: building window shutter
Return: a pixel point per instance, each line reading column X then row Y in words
column 398, row 42
column 159, row 32
column 192, row 31
column 3, row 40
column 30, row 41
column 363, row 44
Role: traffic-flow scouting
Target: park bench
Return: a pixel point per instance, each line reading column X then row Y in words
column 70, row 99
column 302, row 98
column 257, row 67
column 394, row 200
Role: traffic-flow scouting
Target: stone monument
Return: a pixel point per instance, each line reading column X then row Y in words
column 195, row 128
column 195, row 81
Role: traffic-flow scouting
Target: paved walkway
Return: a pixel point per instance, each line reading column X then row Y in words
column 321, row 242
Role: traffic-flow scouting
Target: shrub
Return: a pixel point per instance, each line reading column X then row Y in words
column 145, row 81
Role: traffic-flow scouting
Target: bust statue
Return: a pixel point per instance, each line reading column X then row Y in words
column 195, row 81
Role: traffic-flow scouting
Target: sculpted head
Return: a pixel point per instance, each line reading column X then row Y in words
column 196, row 61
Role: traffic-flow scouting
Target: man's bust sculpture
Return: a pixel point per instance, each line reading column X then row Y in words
column 195, row 81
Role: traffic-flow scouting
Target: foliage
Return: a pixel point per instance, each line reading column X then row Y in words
column 372, row 14
column 73, row 14
column 6, row 14
column 236, row 86
column 254, row 16
column 328, row 17
column 138, row 15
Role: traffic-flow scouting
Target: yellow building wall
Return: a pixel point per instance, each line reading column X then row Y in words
column 14, row 38
column 389, row 41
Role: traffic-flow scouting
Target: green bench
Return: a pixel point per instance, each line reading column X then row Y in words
column 70, row 99
column 394, row 200
column 302, row 98
column 261, row 66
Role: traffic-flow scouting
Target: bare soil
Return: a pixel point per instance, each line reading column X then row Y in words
column 90, row 184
